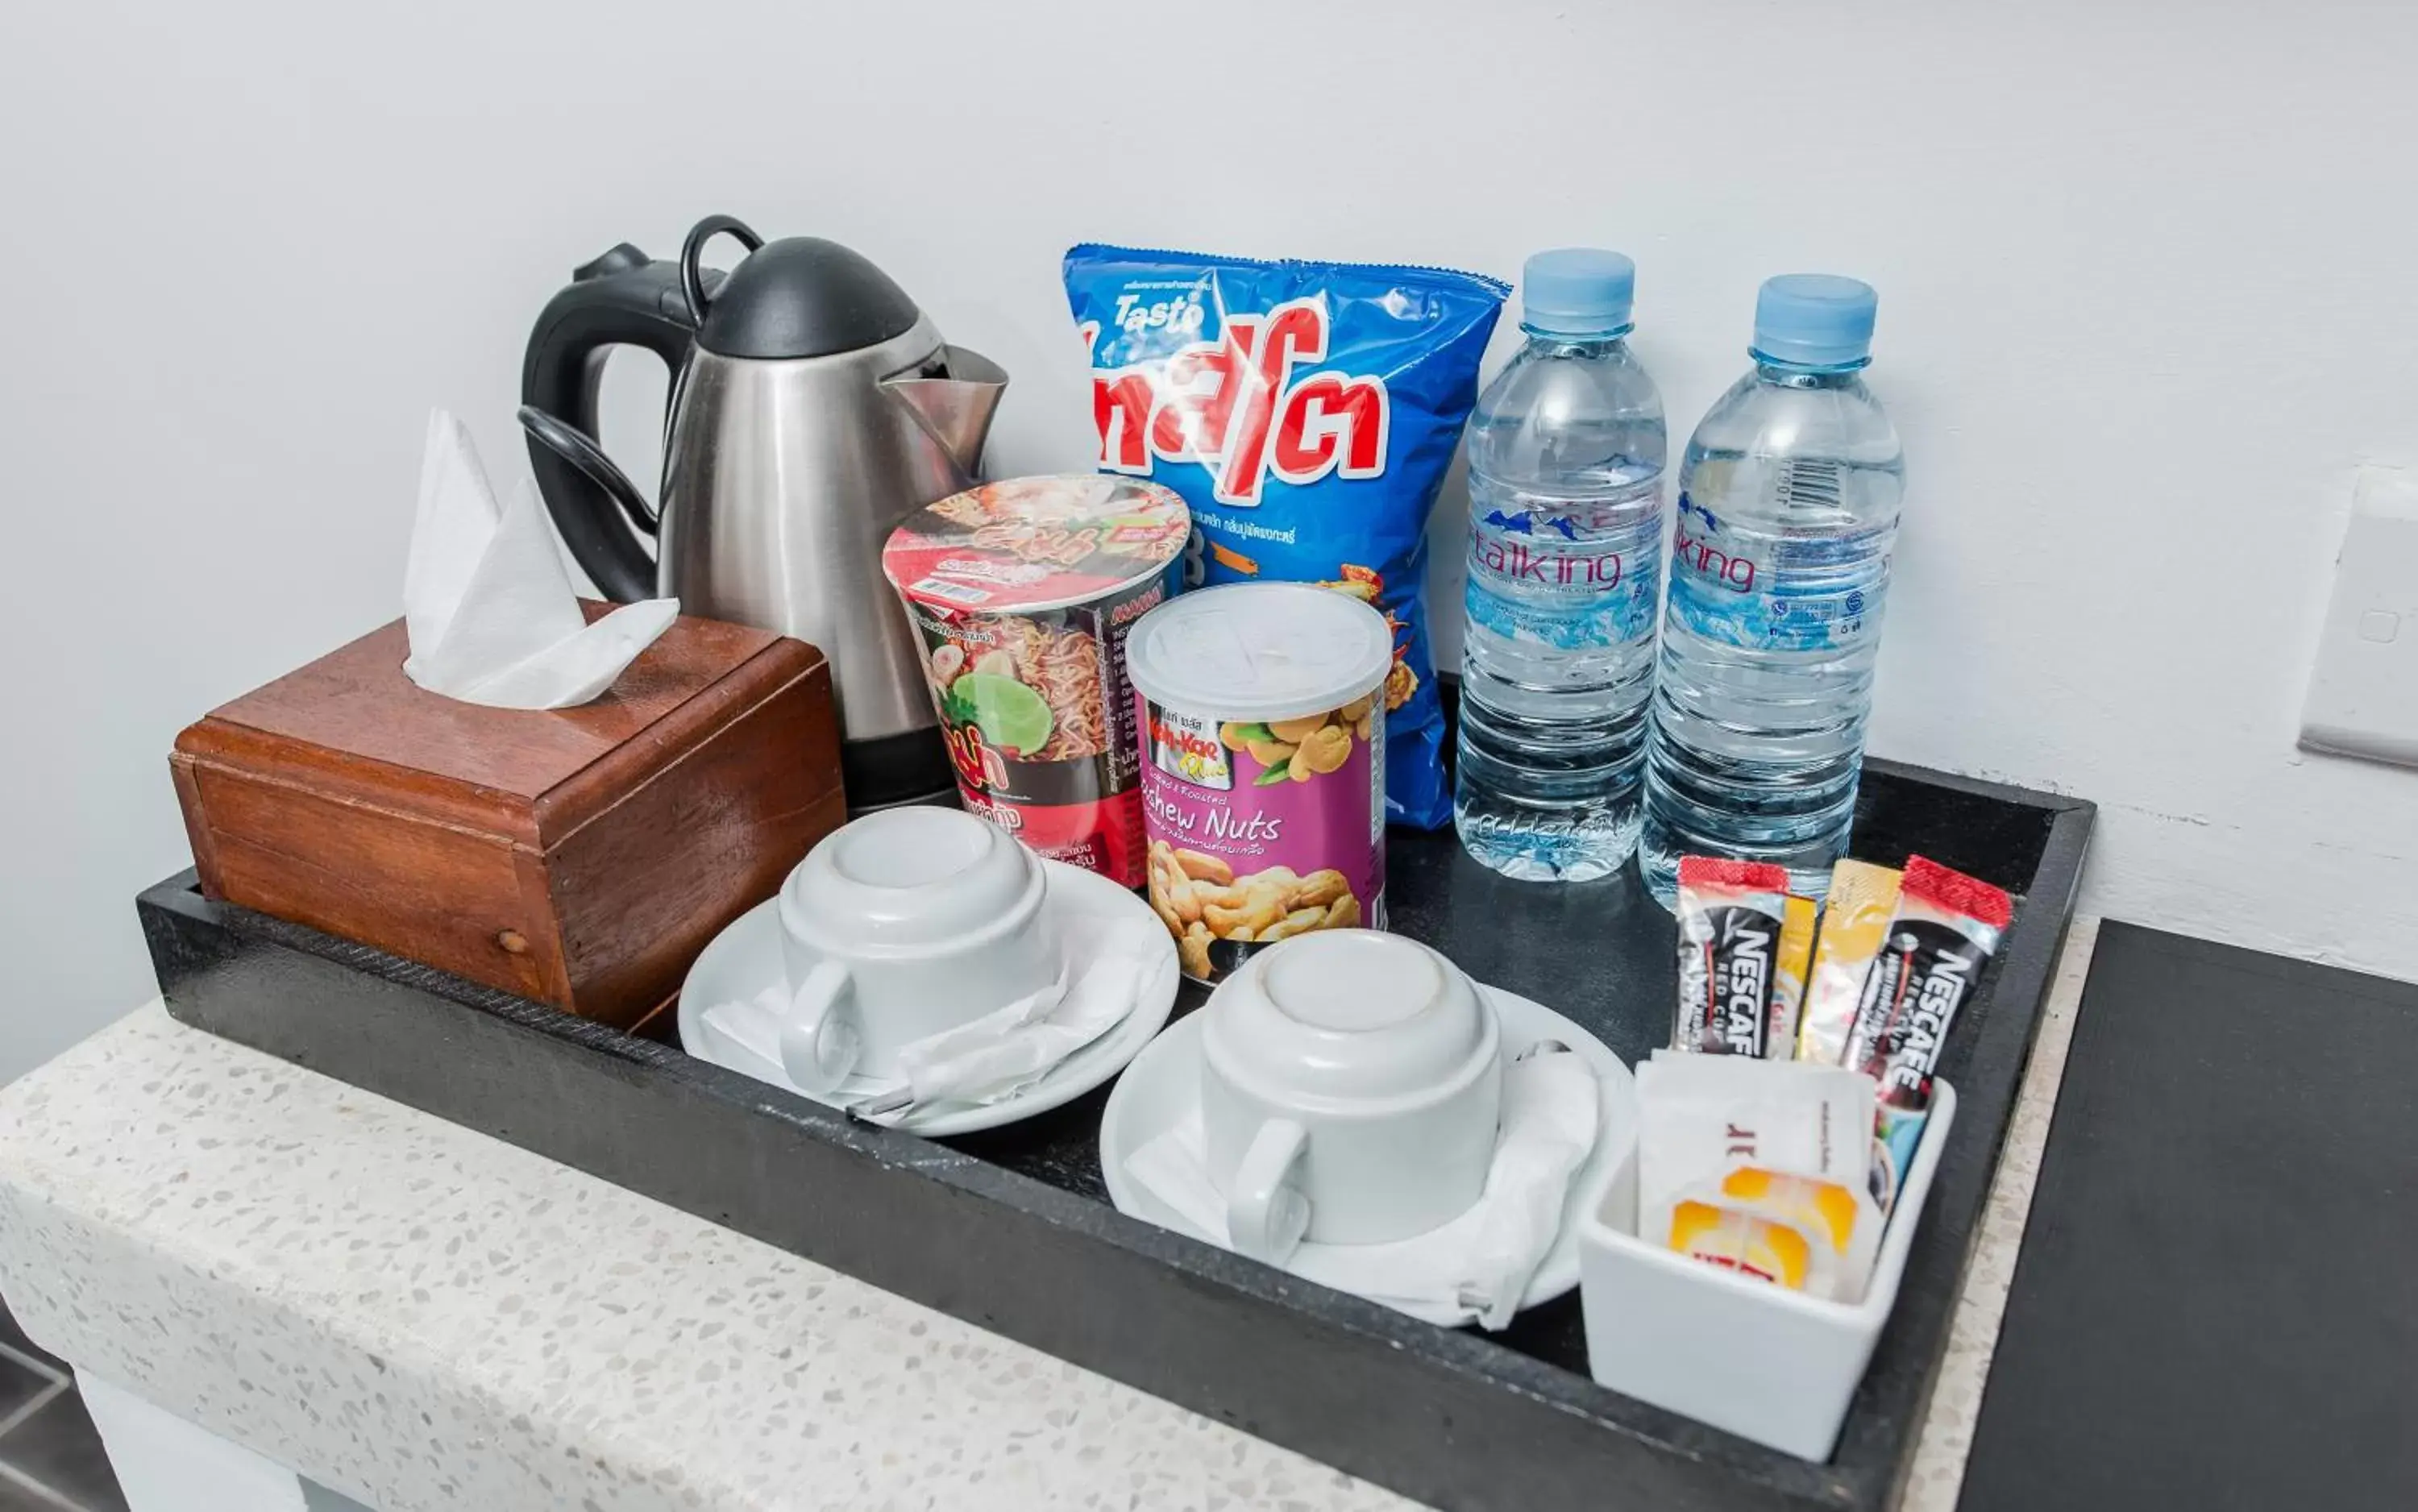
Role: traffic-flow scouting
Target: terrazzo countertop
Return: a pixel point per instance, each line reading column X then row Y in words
column 425, row 1318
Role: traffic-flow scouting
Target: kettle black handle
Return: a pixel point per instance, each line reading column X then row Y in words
column 623, row 298
column 694, row 289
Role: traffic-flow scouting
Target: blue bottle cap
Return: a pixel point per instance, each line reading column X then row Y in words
column 1814, row 320
column 1578, row 291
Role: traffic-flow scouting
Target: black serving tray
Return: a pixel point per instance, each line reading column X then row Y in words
column 1012, row 1228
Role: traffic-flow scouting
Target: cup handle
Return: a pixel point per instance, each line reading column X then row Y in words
column 1267, row 1214
column 819, row 1039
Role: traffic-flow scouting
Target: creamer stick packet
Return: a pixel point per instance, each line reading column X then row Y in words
column 1943, row 932
column 1789, row 975
column 1730, row 918
column 1855, row 917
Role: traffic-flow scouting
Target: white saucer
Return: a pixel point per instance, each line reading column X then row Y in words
column 1163, row 1088
column 745, row 958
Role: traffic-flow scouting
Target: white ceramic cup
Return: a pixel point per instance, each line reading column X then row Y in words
column 899, row 926
column 1351, row 1085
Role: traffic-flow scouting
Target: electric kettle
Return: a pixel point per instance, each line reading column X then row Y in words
column 813, row 408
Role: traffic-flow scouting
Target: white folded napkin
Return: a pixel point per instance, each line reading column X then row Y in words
column 1478, row 1266
column 1002, row 1053
column 755, row 1026
column 486, row 604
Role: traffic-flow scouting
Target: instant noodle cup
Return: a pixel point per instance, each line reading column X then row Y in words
column 1264, row 765
column 1021, row 593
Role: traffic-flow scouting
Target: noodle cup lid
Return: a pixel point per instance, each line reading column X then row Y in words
column 1028, row 543
column 1259, row 650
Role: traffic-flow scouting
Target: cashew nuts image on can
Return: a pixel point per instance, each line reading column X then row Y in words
column 1262, row 723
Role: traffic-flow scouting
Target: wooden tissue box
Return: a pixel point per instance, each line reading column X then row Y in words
column 580, row 857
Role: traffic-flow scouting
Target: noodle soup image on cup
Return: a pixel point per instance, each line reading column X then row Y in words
column 1264, row 765
column 1022, row 592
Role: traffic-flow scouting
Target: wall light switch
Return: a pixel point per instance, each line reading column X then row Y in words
column 2363, row 692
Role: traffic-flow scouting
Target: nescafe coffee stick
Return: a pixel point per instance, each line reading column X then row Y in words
column 1943, row 932
column 1730, row 918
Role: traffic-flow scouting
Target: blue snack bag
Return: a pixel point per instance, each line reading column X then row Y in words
column 1307, row 412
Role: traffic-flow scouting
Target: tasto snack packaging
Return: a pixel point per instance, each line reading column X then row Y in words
column 1022, row 592
column 1307, row 412
column 1263, row 769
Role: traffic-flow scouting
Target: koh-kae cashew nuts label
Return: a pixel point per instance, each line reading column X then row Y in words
column 1262, row 829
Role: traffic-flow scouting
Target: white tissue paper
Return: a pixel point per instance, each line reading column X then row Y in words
column 1007, row 1050
column 1551, row 1114
column 995, row 1056
column 1477, row 1267
column 755, row 1026
column 486, row 604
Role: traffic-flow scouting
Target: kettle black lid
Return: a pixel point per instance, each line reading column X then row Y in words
column 799, row 297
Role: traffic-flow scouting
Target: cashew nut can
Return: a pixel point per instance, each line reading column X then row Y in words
column 1262, row 720
column 1022, row 592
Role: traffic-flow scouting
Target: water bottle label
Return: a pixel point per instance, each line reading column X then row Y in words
column 1590, row 627
column 1525, row 584
column 1728, row 590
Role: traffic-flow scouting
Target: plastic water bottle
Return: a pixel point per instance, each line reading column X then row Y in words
column 1566, row 456
column 1780, row 561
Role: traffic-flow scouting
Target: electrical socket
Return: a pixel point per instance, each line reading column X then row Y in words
column 2363, row 698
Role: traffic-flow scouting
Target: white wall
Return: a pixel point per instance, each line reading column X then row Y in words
column 2146, row 305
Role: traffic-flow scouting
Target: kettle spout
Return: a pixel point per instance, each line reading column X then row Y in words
column 954, row 409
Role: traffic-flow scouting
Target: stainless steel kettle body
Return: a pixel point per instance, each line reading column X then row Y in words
column 814, row 406
column 783, row 479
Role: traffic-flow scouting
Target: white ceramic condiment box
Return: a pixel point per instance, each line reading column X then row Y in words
column 1766, row 1364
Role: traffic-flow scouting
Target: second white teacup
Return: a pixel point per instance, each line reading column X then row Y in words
column 899, row 926
column 1351, row 1086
